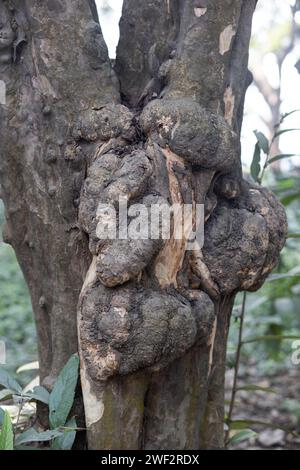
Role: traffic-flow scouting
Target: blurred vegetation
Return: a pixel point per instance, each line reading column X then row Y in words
column 274, row 309
column 263, row 329
column 16, row 321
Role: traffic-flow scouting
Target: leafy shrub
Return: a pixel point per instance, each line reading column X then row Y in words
column 62, row 431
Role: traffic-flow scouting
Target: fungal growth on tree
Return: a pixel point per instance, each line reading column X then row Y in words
column 161, row 127
column 152, row 294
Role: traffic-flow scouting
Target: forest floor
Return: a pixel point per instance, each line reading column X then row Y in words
column 279, row 411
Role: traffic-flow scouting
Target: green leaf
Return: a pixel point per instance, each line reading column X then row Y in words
column 29, row 366
column 5, row 394
column 40, row 394
column 7, row 435
column 263, row 142
column 31, row 435
column 66, row 441
column 294, row 235
column 243, row 423
column 241, row 436
column 7, row 381
column 63, row 393
column 282, row 156
column 270, row 338
column 284, row 131
column 255, row 165
column 2, row 414
column 289, row 198
column 283, row 184
column 284, row 116
column 255, row 388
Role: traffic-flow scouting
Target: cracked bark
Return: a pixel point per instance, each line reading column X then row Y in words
column 163, row 127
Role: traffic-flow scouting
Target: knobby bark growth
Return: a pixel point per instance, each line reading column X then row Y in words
column 161, row 126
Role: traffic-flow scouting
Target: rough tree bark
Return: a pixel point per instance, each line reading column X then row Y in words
column 162, row 126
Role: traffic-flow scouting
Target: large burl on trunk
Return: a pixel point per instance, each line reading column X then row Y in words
column 160, row 127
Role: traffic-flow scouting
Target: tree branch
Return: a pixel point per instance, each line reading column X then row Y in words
column 148, row 33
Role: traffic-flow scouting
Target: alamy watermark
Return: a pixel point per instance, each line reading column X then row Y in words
column 295, row 359
column 154, row 222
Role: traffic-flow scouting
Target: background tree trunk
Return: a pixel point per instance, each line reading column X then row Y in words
column 163, row 127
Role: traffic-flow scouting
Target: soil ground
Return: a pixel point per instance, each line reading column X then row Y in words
column 280, row 409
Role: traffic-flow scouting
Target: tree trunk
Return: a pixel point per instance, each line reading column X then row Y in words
column 162, row 127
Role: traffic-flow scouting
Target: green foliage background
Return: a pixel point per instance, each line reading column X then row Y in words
column 275, row 309
column 16, row 321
